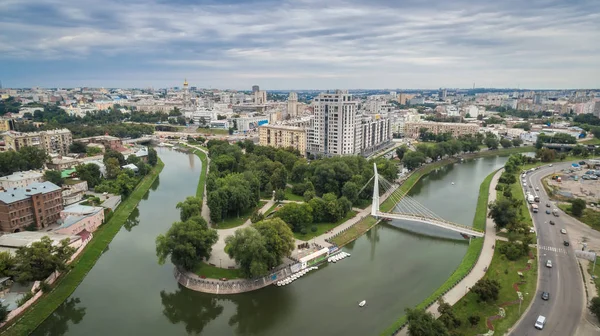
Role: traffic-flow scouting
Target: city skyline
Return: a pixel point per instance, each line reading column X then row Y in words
column 301, row 44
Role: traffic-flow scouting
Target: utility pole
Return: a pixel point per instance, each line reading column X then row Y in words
column 594, row 267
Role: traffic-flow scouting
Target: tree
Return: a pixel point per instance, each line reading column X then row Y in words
column 187, row 243
column 42, row 258
column 113, row 154
column 474, row 320
column 504, row 212
column 422, row 323
column 491, row 141
column 546, row 154
column 7, row 264
column 257, row 216
column 191, row 207
column 297, row 216
column 413, row 160
column 249, row 250
column 78, row 147
column 505, row 143
column 517, row 142
column 112, row 168
column 400, row 151
column 152, row 156
column 595, row 306
column 279, row 195
column 487, row 290
column 447, row 315
column 3, row 313
column 32, row 157
column 279, row 178
column 577, row 207
column 350, row 190
column 53, row 176
column 89, row 173
column 279, row 239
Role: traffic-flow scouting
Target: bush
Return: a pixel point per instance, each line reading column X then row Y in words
column 595, row 306
column 3, row 313
column 487, row 290
column 45, row 287
column 313, row 228
column 474, row 320
column 24, row 299
column 303, row 231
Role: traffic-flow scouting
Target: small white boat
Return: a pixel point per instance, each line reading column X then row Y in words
column 362, row 303
column 452, row 183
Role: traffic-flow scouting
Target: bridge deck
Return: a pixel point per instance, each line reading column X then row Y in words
column 436, row 222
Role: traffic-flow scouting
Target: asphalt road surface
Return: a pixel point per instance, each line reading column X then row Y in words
column 563, row 311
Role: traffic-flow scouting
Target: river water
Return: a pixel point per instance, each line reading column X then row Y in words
column 128, row 293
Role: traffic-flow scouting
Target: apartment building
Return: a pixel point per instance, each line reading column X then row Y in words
column 376, row 133
column 54, row 141
column 107, row 141
column 38, row 204
column 283, row 137
column 334, row 128
column 21, row 179
column 411, row 129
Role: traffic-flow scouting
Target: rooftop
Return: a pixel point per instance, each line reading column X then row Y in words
column 82, row 209
column 18, row 176
column 19, row 194
column 26, row 238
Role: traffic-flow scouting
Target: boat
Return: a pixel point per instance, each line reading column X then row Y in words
column 452, row 183
column 362, row 303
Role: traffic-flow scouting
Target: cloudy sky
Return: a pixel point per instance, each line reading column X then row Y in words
column 301, row 44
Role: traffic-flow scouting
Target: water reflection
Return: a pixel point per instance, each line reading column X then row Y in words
column 256, row 314
column 156, row 183
column 373, row 237
column 66, row 313
column 186, row 306
column 133, row 220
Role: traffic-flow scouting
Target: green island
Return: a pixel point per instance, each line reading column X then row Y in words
column 67, row 283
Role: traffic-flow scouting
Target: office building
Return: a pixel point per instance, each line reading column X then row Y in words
column 283, row 137
column 443, row 94
column 334, row 128
column 53, row 142
column 412, row 129
column 37, row 205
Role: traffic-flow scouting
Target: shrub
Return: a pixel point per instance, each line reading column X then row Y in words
column 474, row 320
column 45, row 287
column 303, row 231
column 313, row 228
column 24, row 299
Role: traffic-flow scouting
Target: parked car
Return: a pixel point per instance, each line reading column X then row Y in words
column 549, row 263
column 563, row 231
column 566, row 243
column 545, row 296
column 551, row 222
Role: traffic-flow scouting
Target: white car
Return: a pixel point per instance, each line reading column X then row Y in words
column 537, row 189
column 563, row 231
column 549, row 263
column 550, row 165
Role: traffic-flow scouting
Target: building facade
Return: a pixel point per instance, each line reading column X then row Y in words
column 53, row 142
column 76, row 218
column 21, row 179
column 37, row 205
column 412, row 129
column 334, row 128
column 283, row 137
column 376, row 133
column 292, row 106
column 107, row 141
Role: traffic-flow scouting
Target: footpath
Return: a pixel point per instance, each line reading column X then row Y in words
column 478, row 271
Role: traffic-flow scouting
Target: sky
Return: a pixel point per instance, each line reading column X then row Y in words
column 301, row 44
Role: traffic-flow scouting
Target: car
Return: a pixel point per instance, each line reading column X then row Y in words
column 551, row 222
column 525, row 184
column 547, row 205
column 550, row 165
column 563, row 231
column 566, row 243
column 545, row 296
column 548, row 211
column 539, row 323
column 549, row 263
column 537, row 189
column 530, row 186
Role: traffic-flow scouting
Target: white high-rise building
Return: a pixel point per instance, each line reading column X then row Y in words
column 292, row 106
column 335, row 127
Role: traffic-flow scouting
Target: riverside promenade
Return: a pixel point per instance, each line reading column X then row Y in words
column 484, row 260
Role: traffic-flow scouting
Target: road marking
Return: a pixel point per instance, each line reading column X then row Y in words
column 553, row 249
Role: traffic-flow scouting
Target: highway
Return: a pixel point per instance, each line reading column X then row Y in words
column 563, row 311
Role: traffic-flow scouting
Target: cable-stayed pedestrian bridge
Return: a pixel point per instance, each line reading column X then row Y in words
column 407, row 208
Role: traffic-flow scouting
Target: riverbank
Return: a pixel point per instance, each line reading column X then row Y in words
column 66, row 284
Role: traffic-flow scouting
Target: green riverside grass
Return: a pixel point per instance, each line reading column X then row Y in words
column 67, row 283
column 468, row 261
column 214, row 272
column 323, row 227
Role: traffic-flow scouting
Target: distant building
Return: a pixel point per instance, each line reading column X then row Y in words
column 21, row 179
column 6, row 125
column 11, row 242
column 412, row 129
column 220, row 124
column 283, row 137
column 107, row 141
column 76, row 218
column 132, row 167
column 245, row 124
column 443, row 94
column 260, row 97
column 38, row 204
column 53, row 142
column 61, row 163
column 376, row 133
column 292, row 106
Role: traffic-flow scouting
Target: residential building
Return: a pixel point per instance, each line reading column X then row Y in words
column 411, row 129
column 334, row 128
column 38, row 204
column 260, row 97
column 11, row 242
column 472, row 111
column 54, row 142
column 376, row 133
column 443, row 94
column 73, row 190
column 61, row 163
column 283, row 137
column 245, row 124
column 107, row 141
column 403, row 98
column 6, row 125
column 292, row 106
column 21, row 179
column 76, row 218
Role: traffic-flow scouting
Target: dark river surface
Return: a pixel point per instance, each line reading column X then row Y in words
column 128, row 293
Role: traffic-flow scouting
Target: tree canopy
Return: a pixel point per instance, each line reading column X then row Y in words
column 40, row 259
column 53, row 176
column 90, row 173
column 249, row 250
column 191, row 207
column 423, row 323
column 26, row 158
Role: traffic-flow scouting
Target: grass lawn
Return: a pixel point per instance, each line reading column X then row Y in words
column 468, row 261
column 212, row 131
column 66, row 284
column 229, row 223
column 362, row 203
column 323, row 227
column 505, row 272
column 354, row 231
column 292, row 197
column 589, row 217
column 213, row 272
column 596, row 273
column 593, row 141
column 202, row 180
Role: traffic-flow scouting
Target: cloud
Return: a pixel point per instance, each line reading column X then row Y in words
column 377, row 43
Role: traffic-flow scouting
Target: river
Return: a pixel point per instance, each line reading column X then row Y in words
column 128, row 293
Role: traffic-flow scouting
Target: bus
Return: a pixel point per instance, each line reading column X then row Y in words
column 534, row 208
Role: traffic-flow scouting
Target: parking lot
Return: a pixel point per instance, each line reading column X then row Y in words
column 583, row 183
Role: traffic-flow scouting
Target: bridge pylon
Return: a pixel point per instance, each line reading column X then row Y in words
column 375, row 205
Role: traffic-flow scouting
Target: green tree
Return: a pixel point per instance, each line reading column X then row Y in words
column 191, row 207
column 53, row 176
column 187, row 243
column 350, row 190
column 257, row 216
column 112, row 168
column 413, row 160
column 42, row 258
column 505, row 143
column 279, row 239
column 7, row 264
column 152, row 156
column 279, row 195
column 491, row 141
column 487, row 290
column 89, row 173
column 400, row 151
column 595, row 306
column 77, row 147
column 447, row 315
column 504, row 212
column 577, row 207
column 309, row 195
column 113, row 154
column 3, row 313
column 422, row 323
column 33, row 157
column 133, row 159
column 249, row 250
column 279, row 178
column 297, row 216
column 546, row 154
column 517, row 142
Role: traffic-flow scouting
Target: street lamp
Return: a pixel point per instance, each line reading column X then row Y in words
column 220, row 264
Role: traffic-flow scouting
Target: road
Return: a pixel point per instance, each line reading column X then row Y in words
column 563, row 281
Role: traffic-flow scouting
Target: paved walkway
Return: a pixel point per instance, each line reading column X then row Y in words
column 487, row 253
column 205, row 210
